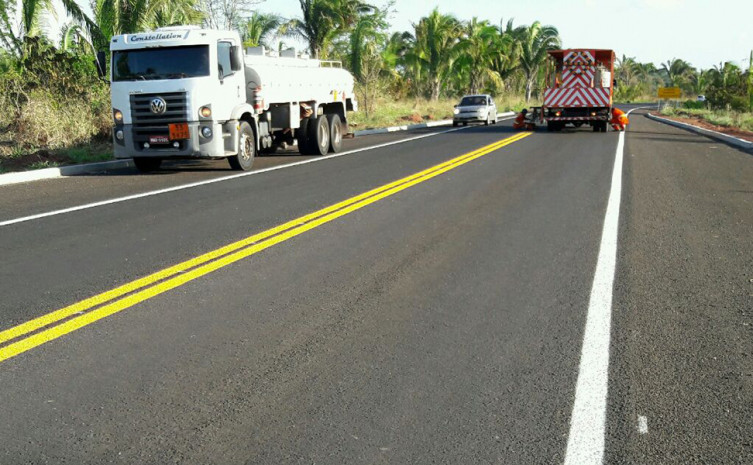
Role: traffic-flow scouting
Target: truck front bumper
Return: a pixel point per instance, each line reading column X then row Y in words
column 131, row 144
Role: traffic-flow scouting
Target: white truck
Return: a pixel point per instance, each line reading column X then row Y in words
column 186, row 92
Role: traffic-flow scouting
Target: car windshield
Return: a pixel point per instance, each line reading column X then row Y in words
column 468, row 101
column 161, row 63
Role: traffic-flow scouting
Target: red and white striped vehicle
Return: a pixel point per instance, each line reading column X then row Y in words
column 580, row 86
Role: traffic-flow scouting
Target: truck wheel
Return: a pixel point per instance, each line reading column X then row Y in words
column 335, row 132
column 318, row 136
column 488, row 119
column 246, row 149
column 454, row 124
column 147, row 164
column 301, row 135
column 597, row 127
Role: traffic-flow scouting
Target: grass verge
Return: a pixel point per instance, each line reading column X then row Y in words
column 728, row 119
column 388, row 112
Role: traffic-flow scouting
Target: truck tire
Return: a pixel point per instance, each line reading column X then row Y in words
column 301, row 135
column 335, row 132
column 147, row 164
column 318, row 136
column 244, row 160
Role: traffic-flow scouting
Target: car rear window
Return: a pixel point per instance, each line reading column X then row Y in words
column 473, row 101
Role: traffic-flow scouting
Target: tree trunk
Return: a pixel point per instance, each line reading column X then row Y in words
column 435, row 89
column 529, row 89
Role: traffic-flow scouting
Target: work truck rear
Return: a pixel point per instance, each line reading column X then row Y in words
column 580, row 88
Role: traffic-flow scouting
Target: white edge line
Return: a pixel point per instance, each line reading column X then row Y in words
column 216, row 180
column 642, row 424
column 585, row 444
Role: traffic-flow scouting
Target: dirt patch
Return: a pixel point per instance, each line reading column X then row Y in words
column 413, row 118
column 734, row 132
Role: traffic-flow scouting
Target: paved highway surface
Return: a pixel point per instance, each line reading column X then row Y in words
column 492, row 297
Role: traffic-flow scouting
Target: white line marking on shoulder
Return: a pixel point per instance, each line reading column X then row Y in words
column 642, row 424
column 585, row 444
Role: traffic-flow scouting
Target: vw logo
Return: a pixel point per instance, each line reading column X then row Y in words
column 158, row 105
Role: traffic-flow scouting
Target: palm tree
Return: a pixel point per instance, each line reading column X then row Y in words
column 535, row 41
column 365, row 59
column 507, row 61
column 479, row 45
column 259, row 27
column 677, row 71
column 436, row 37
column 30, row 16
column 323, row 20
column 114, row 17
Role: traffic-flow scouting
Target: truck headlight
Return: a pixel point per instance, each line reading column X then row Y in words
column 455, row 111
column 205, row 112
column 117, row 115
column 119, row 134
column 206, row 131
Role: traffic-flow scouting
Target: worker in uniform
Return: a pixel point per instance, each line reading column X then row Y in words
column 619, row 119
column 521, row 122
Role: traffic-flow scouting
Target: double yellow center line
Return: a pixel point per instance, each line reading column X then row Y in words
column 38, row 331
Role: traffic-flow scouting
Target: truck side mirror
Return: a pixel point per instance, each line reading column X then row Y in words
column 235, row 58
column 101, row 64
column 614, row 82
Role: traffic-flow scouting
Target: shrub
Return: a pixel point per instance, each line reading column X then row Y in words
column 694, row 105
column 49, row 120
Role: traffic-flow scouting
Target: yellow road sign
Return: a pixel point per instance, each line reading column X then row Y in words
column 670, row 92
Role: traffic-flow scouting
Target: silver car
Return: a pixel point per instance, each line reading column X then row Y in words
column 475, row 109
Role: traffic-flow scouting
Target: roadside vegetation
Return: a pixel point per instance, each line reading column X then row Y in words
column 54, row 108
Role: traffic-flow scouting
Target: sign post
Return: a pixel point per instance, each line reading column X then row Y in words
column 666, row 93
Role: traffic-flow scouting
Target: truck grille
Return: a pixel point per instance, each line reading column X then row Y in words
column 146, row 123
column 176, row 110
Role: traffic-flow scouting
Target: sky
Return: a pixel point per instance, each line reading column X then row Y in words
column 703, row 32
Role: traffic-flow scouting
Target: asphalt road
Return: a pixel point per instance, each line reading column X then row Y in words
column 437, row 320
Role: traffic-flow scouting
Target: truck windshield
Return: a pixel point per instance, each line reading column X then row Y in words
column 160, row 63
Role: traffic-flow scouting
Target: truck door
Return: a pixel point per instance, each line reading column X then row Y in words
column 230, row 74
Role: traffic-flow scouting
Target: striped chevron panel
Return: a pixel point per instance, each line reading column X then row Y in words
column 577, row 76
column 577, row 97
column 578, row 69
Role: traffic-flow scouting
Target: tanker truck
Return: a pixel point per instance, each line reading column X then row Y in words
column 186, row 92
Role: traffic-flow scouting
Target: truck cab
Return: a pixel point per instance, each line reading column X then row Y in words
column 185, row 92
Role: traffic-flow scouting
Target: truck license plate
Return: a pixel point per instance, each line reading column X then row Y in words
column 159, row 140
column 179, row 131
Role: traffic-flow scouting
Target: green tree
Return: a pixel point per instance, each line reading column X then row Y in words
column 477, row 49
column 507, row 61
column 535, row 41
column 259, row 27
column 324, row 20
column 365, row 58
column 114, row 17
column 677, row 71
column 433, row 51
